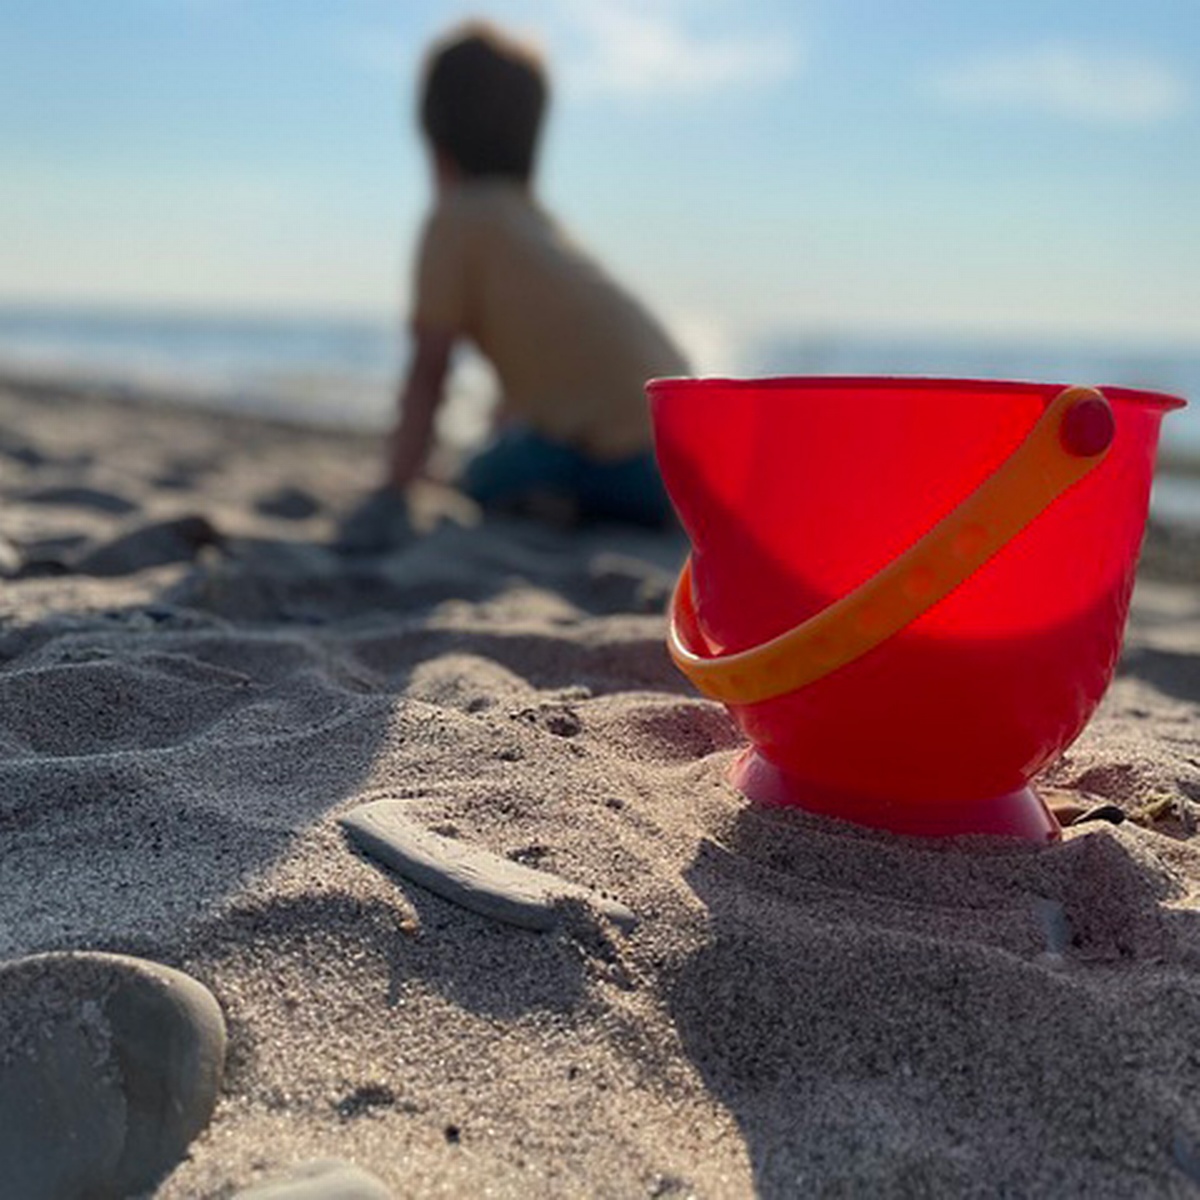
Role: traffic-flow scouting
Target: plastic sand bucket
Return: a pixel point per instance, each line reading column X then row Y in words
column 910, row 593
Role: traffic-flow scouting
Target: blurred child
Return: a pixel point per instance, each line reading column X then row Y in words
column 571, row 348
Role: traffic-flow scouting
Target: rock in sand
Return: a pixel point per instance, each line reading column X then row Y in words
column 109, row 1067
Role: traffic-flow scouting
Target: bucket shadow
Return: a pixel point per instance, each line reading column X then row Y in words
column 883, row 1017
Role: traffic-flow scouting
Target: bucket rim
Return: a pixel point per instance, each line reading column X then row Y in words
column 1144, row 397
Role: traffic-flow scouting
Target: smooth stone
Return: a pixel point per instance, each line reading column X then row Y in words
column 290, row 503
column 475, row 879
column 150, row 545
column 321, row 1179
column 109, row 1067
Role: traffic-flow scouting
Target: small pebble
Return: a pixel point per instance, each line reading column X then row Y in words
column 288, row 502
column 1113, row 813
column 1056, row 927
column 320, row 1179
column 10, row 558
column 1186, row 1157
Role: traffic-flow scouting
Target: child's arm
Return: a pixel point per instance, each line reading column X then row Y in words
column 419, row 400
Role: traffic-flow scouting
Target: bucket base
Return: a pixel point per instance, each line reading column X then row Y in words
column 1021, row 813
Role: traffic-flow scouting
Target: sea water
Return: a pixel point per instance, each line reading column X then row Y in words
column 1176, row 495
column 344, row 372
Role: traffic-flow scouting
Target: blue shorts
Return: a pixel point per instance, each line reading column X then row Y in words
column 520, row 465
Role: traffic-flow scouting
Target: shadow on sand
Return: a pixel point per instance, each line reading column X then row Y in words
column 895, row 1019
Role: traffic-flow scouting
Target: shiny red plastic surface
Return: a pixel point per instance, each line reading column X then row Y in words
column 794, row 491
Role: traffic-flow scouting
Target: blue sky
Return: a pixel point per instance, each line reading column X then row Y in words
column 999, row 168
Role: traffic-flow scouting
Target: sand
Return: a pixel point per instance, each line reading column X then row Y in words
column 194, row 688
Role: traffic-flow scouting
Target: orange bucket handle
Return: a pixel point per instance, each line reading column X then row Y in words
column 1070, row 439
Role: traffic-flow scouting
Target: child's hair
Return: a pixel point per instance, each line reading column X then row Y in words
column 482, row 100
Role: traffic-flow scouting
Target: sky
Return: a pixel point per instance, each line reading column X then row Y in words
column 1001, row 167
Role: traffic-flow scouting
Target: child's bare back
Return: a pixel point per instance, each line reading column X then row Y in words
column 571, row 348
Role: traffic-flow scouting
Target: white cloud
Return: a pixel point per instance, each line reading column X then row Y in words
column 625, row 49
column 1061, row 80
column 610, row 48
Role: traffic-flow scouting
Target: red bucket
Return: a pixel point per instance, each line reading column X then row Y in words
column 910, row 593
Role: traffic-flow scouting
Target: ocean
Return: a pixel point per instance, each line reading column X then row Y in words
column 343, row 372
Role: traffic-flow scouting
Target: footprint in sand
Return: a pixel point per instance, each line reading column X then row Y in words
column 109, row 1067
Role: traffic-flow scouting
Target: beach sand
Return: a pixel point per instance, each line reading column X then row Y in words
column 194, row 688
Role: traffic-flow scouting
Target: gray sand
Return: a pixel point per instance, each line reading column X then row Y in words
column 802, row 1009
